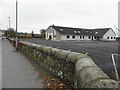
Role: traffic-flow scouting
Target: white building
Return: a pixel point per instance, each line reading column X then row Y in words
column 68, row 33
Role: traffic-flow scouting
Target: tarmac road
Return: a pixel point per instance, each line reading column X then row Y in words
column 99, row 51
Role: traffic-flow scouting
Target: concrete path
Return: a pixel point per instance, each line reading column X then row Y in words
column 17, row 72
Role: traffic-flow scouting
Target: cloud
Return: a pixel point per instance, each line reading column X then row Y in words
column 38, row 14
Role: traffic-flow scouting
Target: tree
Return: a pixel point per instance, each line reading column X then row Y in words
column 5, row 33
column 42, row 31
column 14, row 34
column 10, row 32
column 32, row 34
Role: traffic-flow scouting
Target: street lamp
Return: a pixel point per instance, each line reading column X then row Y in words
column 16, row 25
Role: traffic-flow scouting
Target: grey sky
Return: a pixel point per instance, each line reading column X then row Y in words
column 39, row 14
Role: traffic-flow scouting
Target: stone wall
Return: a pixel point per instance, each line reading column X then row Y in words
column 77, row 69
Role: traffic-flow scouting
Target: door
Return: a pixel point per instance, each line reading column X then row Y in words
column 50, row 37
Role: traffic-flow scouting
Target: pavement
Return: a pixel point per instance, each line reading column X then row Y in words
column 17, row 72
column 99, row 51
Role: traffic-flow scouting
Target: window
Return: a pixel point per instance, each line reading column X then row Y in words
column 80, row 37
column 68, row 36
column 107, row 37
column 75, row 32
column 78, row 31
column 96, row 32
column 61, row 29
column 114, row 37
column 94, row 37
column 89, row 37
column 83, row 37
column 111, row 37
column 73, row 36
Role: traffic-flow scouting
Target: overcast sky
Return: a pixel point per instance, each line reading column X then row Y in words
column 39, row 14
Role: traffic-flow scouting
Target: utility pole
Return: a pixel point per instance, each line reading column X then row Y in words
column 9, row 21
column 16, row 25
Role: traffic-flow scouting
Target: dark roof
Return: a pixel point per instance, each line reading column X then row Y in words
column 99, row 32
column 80, row 31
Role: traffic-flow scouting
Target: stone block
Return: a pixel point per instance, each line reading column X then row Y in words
column 71, row 57
column 82, row 63
column 103, row 83
column 88, row 74
column 80, row 56
column 54, row 52
column 38, row 47
column 45, row 49
column 62, row 54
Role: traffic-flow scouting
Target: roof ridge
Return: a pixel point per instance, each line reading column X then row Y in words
column 68, row 27
column 80, row 28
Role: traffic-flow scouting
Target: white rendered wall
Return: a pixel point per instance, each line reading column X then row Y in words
column 77, row 37
column 49, row 32
column 109, row 34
